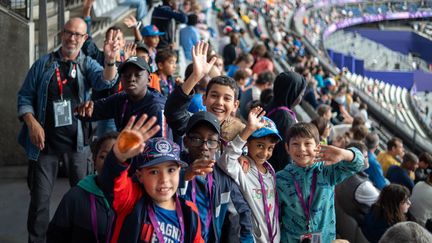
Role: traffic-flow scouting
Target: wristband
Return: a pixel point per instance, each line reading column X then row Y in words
column 138, row 25
column 110, row 64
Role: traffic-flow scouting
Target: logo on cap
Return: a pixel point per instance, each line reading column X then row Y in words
column 133, row 59
column 163, row 147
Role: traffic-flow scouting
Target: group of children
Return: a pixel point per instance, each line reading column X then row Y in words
column 148, row 189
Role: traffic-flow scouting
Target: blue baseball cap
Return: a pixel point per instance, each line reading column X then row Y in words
column 150, row 30
column 269, row 128
column 157, row 151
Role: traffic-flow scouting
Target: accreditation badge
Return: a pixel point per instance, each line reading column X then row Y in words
column 311, row 238
column 62, row 113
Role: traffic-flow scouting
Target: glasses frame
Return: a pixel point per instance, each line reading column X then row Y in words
column 202, row 141
column 70, row 34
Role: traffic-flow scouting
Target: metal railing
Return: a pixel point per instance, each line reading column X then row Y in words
column 20, row 7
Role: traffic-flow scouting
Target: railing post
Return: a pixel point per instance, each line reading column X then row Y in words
column 61, row 14
column 43, row 28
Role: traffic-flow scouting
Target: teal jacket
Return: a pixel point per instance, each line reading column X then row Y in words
column 292, row 217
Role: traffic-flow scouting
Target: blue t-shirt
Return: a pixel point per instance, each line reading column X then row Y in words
column 196, row 104
column 169, row 225
column 397, row 175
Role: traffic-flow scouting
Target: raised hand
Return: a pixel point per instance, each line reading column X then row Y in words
column 199, row 167
column 131, row 140
column 199, row 57
column 332, row 155
column 130, row 21
column 85, row 109
column 112, row 46
column 255, row 120
column 129, row 50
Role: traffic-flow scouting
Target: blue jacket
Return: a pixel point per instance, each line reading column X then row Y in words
column 128, row 200
column 161, row 17
column 375, row 172
column 32, row 97
column 224, row 191
column 292, row 217
column 119, row 107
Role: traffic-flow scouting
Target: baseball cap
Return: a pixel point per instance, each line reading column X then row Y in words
column 203, row 116
column 269, row 128
column 150, row 30
column 157, row 151
column 137, row 61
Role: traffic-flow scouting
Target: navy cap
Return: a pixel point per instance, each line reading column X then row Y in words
column 157, row 151
column 134, row 60
column 269, row 128
column 203, row 116
column 150, row 30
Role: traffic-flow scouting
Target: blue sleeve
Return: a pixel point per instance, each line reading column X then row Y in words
column 244, row 212
column 376, row 175
column 170, row 13
column 337, row 173
column 94, row 75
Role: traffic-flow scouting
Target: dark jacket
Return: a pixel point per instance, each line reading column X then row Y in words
column 162, row 16
column 224, row 191
column 129, row 203
column 72, row 221
column 119, row 107
column 288, row 86
column 374, row 225
column 176, row 112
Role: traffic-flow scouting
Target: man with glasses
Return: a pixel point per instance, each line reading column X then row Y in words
column 208, row 186
column 55, row 84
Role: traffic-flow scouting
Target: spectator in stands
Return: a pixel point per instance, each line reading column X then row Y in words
column 323, row 127
column 288, row 92
column 395, row 152
column 374, row 171
column 243, row 61
column 142, row 51
column 359, row 132
column 231, row 50
column 241, row 76
column 421, row 196
column 310, row 95
column 357, row 193
column 424, row 165
column 390, row 209
column 400, row 174
column 406, row 232
column 341, row 140
column 264, row 81
column 263, row 60
column 163, row 79
column 338, row 105
column 162, row 18
column 324, row 111
column 83, row 202
column 319, row 77
column 50, row 132
column 189, row 36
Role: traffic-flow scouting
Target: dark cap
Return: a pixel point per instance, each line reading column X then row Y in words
column 157, row 151
column 137, row 61
column 203, row 116
column 141, row 46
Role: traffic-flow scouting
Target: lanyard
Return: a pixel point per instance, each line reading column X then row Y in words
column 306, row 208
column 125, row 105
column 60, row 82
column 266, row 207
column 94, row 221
column 283, row 108
column 155, row 223
column 210, row 188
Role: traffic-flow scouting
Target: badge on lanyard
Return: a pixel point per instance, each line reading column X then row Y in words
column 62, row 113
column 311, row 238
column 73, row 72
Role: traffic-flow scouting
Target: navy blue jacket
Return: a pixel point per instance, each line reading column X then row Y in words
column 119, row 107
column 162, row 16
column 225, row 190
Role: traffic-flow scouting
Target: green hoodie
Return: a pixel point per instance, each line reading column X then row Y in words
column 89, row 184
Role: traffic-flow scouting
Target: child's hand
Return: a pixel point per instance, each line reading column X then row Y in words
column 129, row 50
column 255, row 120
column 199, row 167
column 199, row 56
column 112, row 46
column 332, row 155
column 130, row 21
column 85, row 109
column 179, row 81
column 131, row 140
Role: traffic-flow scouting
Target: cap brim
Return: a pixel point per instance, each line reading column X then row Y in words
column 265, row 132
column 161, row 160
column 155, row 34
column 125, row 64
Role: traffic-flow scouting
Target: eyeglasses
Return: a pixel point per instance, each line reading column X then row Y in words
column 407, row 201
column 69, row 34
column 198, row 142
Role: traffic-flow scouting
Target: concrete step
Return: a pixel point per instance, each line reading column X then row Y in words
column 51, row 9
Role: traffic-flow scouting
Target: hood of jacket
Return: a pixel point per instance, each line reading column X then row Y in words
column 88, row 184
column 287, row 88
